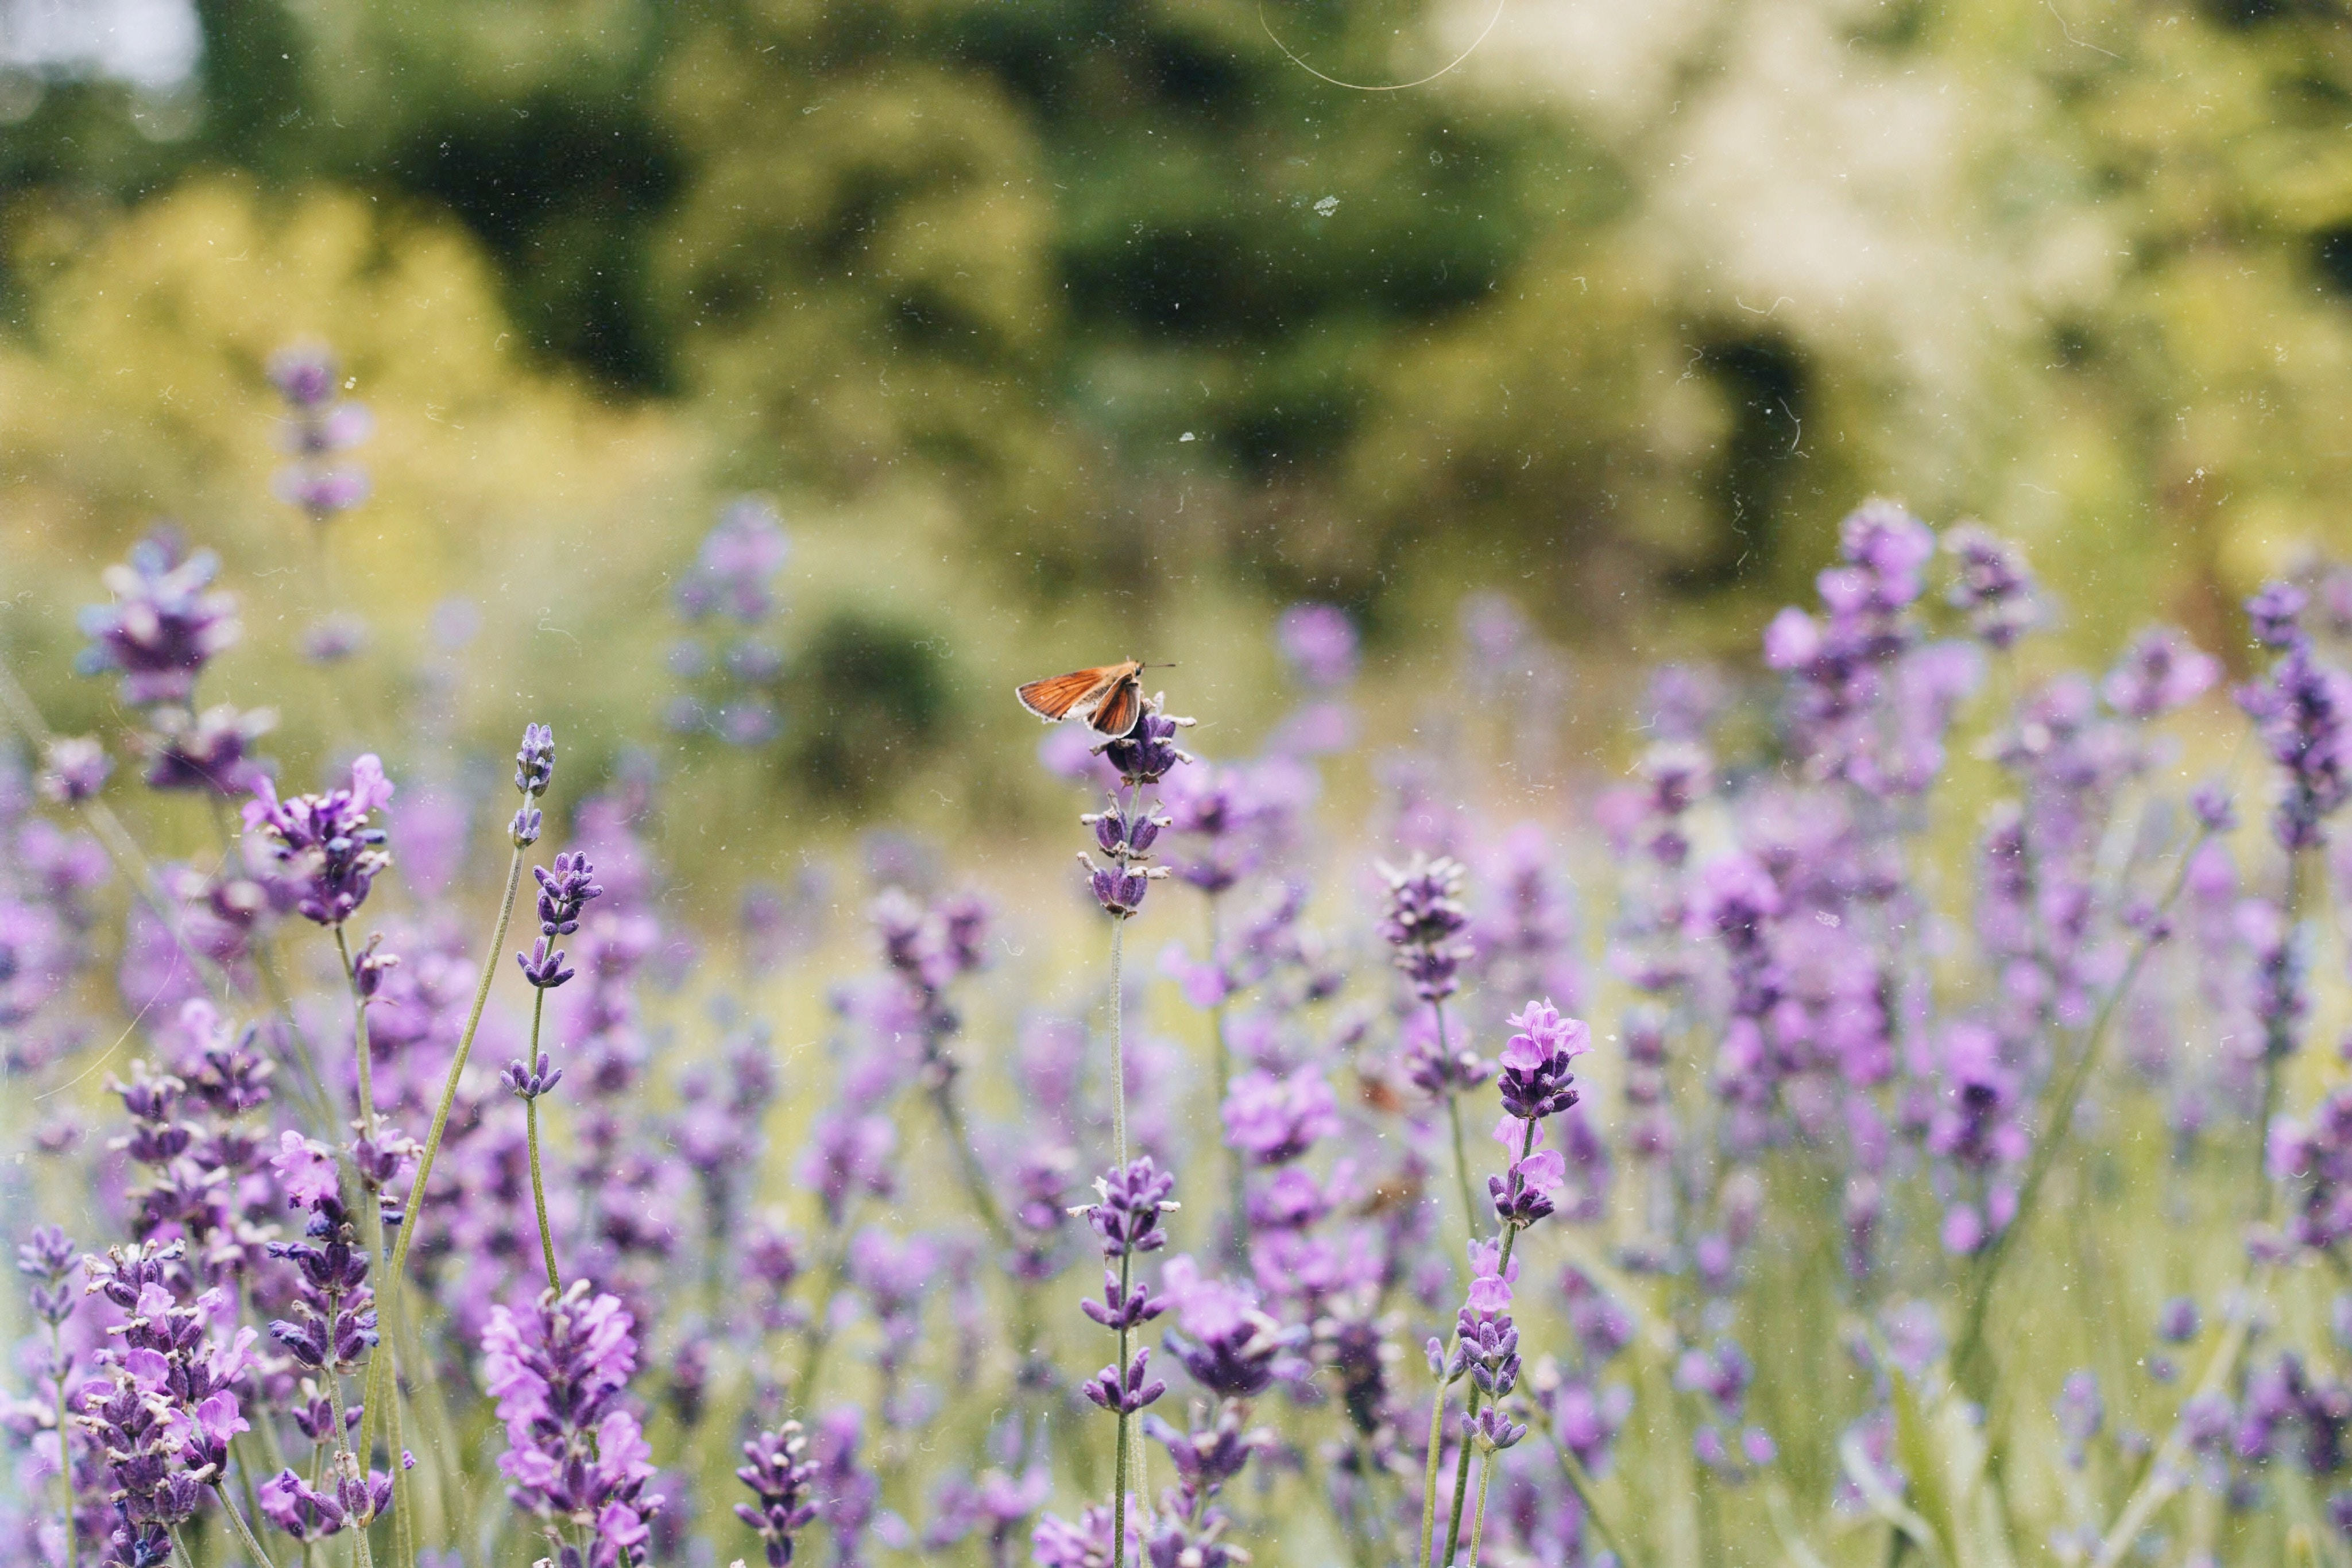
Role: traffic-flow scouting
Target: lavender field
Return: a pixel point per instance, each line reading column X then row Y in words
column 1878, row 1100
column 1685, row 905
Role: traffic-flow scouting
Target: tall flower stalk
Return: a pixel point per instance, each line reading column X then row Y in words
column 1537, row 1082
column 534, row 770
column 563, row 893
column 1422, row 925
column 1125, row 834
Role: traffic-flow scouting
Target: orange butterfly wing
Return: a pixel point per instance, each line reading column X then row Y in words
column 1054, row 698
column 1120, row 707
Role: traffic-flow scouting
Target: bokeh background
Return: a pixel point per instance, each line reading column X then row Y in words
column 1068, row 328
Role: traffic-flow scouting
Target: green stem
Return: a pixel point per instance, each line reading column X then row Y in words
column 358, row 1039
column 1429, row 1478
column 1236, row 1171
column 1118, row 1454
column 2278, row 1043
column 531, row 1136
column 2168, row 1469
column 1968, row 1358
column 968, row 1167
column 1579, row 1481
column 1478, row 1518
column 413, row 1216
column 1118, row 1039
column 1453, row 1119
column 244, row 1530
column 539, row 1194
column 65, row 1438
column 343, row 1457
column 1509, row 1236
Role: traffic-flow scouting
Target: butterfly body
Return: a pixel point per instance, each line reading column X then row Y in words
column 1107, row 699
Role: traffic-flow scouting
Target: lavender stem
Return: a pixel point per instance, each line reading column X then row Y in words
column 65, row 1438
column 1969, row 1351
column 244, row 1530
column 530, row 1136
column 1454, row 1120
column 1118, row 1457
column 1479, row 1517
column 411, row 1216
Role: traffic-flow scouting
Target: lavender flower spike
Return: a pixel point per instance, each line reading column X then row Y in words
column 324, row 842
column 166, row 623
column 780, row 1478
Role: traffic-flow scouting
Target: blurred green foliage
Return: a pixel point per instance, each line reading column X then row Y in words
column 1114, row 301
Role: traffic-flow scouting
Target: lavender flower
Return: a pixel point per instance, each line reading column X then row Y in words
column 165, row 623
column 1319, row 642
column 780, row 1478
column 1423, row 925
column 1994, row 588
column 211, row 752
column 2160, row 671
column 574, row 1450
column 2312, row 1159
column 731, row 572
column 562, row 895
column 323, row 844
column 1275, row 1120
column 75, row 770
column 317, row 426
column 2301, row 711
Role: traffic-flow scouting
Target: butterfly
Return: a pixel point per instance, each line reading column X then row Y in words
column 1107, row 699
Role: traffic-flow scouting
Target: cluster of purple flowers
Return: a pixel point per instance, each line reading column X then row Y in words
column 735, row 685
column 1856, row 1022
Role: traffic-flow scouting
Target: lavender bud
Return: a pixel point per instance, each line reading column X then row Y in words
column 77, row 769
column 535, row 763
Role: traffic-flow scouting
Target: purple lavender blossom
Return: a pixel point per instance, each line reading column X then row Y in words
column 1994, row 588
column 2301, row 711
column 317, row 426
column 1423, row 923
column 2312, row 1159
column 165, row 623
column 210, row 752
column 574, row 1450
column 323, row 844
column 74, row 770
column 563, row 893
column 738, row 557
column 2160, row 671
column 780, row 1478
column 1274, row 1120
column 1232, row 1348
column 1319, row 642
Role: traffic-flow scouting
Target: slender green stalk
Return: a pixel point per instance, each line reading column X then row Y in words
column 344, row 1456
column 359, row 1037
column 180, row 1547
column 244, row 1530
column 530, row 1138
column 1454, row 1121
column 968, row 1167
column 1968, row 1357
column 65, row 1438
column 1572, row 1471
column 1118, row 1455
column 1508, row 1237
column 413, row 1216
column 1429, row 1478
column 1119, row 1039
column 2278, row 1043
column 538, row 1193
column 1235, row 1169
column 2169, row 1470
column 1478, row 1518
